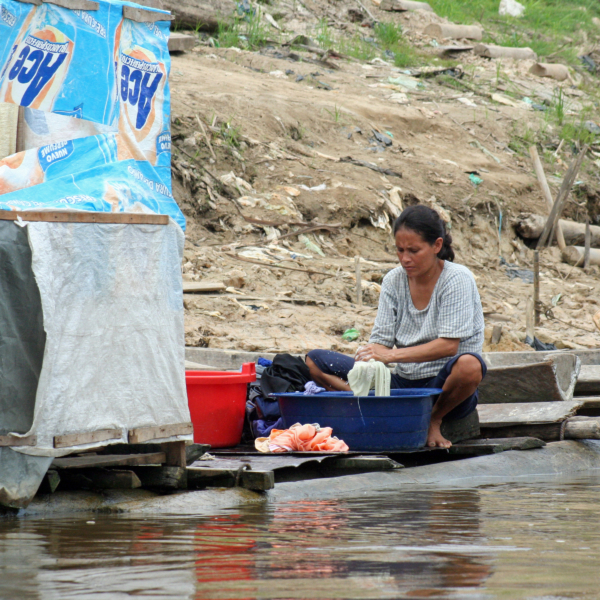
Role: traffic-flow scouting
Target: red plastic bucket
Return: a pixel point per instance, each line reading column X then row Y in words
column 217, row 401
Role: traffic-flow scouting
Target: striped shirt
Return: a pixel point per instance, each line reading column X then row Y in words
column 454, row 311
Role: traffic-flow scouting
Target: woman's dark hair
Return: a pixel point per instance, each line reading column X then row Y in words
column 427, row 223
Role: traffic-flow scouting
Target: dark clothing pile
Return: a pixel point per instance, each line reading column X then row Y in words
column 285, row 373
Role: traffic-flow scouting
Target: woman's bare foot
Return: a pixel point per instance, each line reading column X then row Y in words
column 435, row 439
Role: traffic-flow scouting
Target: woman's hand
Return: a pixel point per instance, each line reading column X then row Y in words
column 376, row 352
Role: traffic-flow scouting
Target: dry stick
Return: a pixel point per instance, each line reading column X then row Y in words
column 541, row 176
column 206, row 137
column 561, row 199
column 262, row 264
column 367, row 11
column 358, row 280
column 588, row 240
column 536, row 286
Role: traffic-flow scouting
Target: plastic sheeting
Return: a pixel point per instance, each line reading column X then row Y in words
column 113, row 315
column 86, row 76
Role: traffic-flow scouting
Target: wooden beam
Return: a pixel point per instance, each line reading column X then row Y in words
column 163, row 478
column 99, row 479
column 549, row 432
column 531, row 413
column 79, row 439
column 109, row 460
column 144, row 434
column 203, row 477
column 191, row 287
column 583, row 428
column 13, row 440
column 361, row 463
column 493, row 446
column 175, row 454
column 81, row 216
column 75, row 4
column 141, row 15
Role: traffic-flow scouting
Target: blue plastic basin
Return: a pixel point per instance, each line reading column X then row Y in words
column 366, row 423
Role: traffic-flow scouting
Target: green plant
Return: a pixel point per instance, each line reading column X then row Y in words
column 230, row 134
column 559, row 106
column 336, row 113
column 388, row 35
column 323, row 35
column 247, row 31
column 358, row 48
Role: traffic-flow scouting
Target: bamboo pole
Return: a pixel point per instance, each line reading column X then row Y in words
column 588, row 239
column 536, row 286
column 563, row 194
column 541, row 176
column 358, row 280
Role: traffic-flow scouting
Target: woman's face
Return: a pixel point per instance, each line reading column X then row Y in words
column 415, row 254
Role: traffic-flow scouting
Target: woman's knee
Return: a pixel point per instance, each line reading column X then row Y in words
column 468, row 368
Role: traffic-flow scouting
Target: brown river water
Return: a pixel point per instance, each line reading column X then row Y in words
column 539, row 540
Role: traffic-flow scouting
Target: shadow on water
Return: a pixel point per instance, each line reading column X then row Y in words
column 498, row 541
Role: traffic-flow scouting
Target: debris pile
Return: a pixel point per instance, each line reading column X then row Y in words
column 301, row 130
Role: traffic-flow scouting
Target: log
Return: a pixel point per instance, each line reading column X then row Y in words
column 531, row 226
column 491, row 51
column 204, row 15
column 404, row 5
column 582, row 428
column 455, row 32
column 558, row 72
column 574, row 255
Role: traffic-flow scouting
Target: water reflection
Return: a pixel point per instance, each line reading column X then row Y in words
column 502, row 541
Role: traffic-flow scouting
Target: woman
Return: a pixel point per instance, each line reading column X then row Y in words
column 429, row 322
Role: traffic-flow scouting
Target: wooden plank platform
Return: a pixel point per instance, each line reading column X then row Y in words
column 532, row 413
column 15, row 440
column 588, row 381
column 79, row 439
column 550, row 380
column 494, row 446
column 109, row 460
column 82, row 216
column 145, row 434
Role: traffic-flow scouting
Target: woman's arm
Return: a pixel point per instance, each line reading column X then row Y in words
column 440, row 348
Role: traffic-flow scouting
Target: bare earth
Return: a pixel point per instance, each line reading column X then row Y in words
column 275, row 135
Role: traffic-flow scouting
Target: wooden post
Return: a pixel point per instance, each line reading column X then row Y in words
column 175, row 454
column 541, row 176
column 536, row 286
column 358, row 281
column 530, row 320
column 588, row 240
column 563, row 194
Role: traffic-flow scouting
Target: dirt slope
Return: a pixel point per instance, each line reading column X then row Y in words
column 279, row 126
